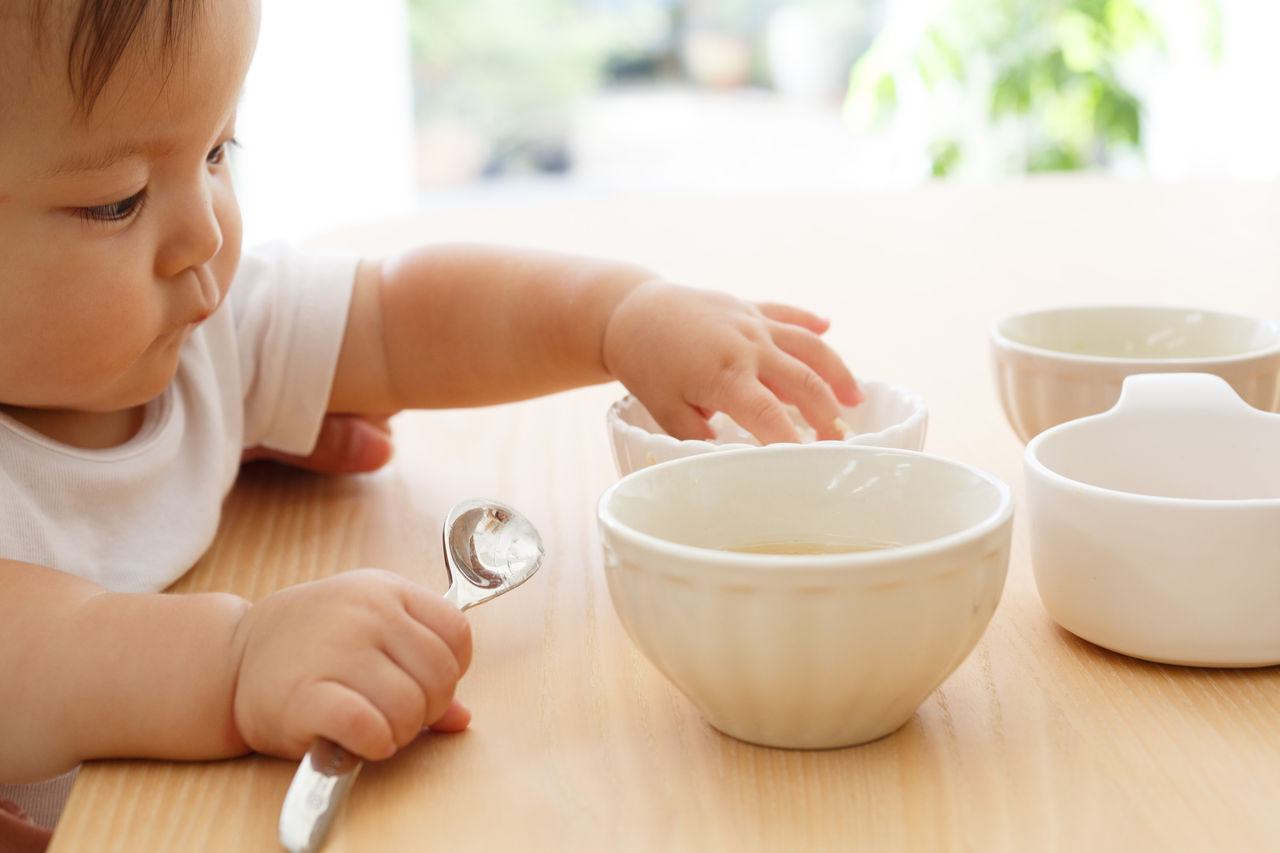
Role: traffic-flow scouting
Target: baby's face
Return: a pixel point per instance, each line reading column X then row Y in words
column 119, row 230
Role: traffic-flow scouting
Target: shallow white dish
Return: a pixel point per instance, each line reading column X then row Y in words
column 1155, row 527
column 888, row 416
column 1057, row 364
column 806, row 650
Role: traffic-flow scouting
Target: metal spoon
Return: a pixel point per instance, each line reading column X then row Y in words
column 489, row 548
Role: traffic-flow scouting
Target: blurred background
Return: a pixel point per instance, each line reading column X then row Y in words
column 355, row 112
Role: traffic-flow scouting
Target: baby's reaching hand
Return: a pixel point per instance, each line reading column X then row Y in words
column 366, row 659
column 687, row 354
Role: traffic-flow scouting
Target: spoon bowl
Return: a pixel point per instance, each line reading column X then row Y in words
column 489, row 548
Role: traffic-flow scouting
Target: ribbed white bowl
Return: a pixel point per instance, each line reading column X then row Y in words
column 889, row 416
column 1059, row 364
column 806, row 651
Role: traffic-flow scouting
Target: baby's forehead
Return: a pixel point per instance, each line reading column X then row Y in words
column 88, row 41
column 27, row 31
column 40, row 28
column 32, row 48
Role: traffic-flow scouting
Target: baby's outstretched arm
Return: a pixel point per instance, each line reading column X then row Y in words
column 463, row 325
column 365, row 658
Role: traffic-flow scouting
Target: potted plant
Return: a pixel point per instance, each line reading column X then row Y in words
column 1035, row 85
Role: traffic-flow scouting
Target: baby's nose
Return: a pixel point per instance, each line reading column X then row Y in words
column 193, row 235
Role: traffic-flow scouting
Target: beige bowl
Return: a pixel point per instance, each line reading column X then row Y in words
column 1059, row 364
column 809, row 650
column 889, row 416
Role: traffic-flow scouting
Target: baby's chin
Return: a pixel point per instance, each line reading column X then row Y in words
column 148, row 392
column 155, row 371
column 137, row 387
column 105, row 385
column 99, row 403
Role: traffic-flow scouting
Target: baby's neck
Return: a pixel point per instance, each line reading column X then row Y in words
column 89, row 430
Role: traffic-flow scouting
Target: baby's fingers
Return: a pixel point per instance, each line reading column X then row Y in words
column 335, row 711
column 685, row 422
column 398, row 698
column 794, row 316
column 430, row 662
column 758, row 410
column 438, row 618
column 793, row 381
column 823, row 360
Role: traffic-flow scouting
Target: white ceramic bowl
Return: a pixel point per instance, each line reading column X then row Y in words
column 1155, row 527
column 1058, row 364
column 889, row 416
column 813, row 650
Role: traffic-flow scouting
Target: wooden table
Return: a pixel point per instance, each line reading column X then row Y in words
column 1039, row 741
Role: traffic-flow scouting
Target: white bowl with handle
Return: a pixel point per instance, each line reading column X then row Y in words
column 1155, row 526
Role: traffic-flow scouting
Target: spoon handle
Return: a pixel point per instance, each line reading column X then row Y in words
column 323, row 777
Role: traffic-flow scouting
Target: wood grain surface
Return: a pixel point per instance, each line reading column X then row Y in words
column 1039, row 741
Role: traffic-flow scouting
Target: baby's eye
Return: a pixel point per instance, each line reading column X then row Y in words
column 115, row 211
column 219, row 152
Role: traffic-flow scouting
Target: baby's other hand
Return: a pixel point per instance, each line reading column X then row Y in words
column 687, row 354
column 365, row 658
column 347, row 444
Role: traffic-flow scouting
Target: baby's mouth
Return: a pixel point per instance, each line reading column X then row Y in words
column 201, row 316
column 210, row 297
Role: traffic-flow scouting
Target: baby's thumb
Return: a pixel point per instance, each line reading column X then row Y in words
column 455, row 718
column 685, row 422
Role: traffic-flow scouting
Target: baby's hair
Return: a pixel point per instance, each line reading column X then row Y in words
column 103, row 31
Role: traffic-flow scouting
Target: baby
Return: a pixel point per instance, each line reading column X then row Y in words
column 140, row 353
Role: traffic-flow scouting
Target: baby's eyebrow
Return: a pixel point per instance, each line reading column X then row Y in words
column 104, row 158
column 93, row 161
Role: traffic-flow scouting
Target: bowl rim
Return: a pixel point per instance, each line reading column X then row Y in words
column 1003, row 342
column 1033, row 466
column 919, row 411
column 893, row 557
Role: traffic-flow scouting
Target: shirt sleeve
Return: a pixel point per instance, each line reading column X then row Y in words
column 290, row 310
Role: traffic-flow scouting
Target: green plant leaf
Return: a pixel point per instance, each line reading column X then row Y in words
column 945, row 156
column 1046, row 67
